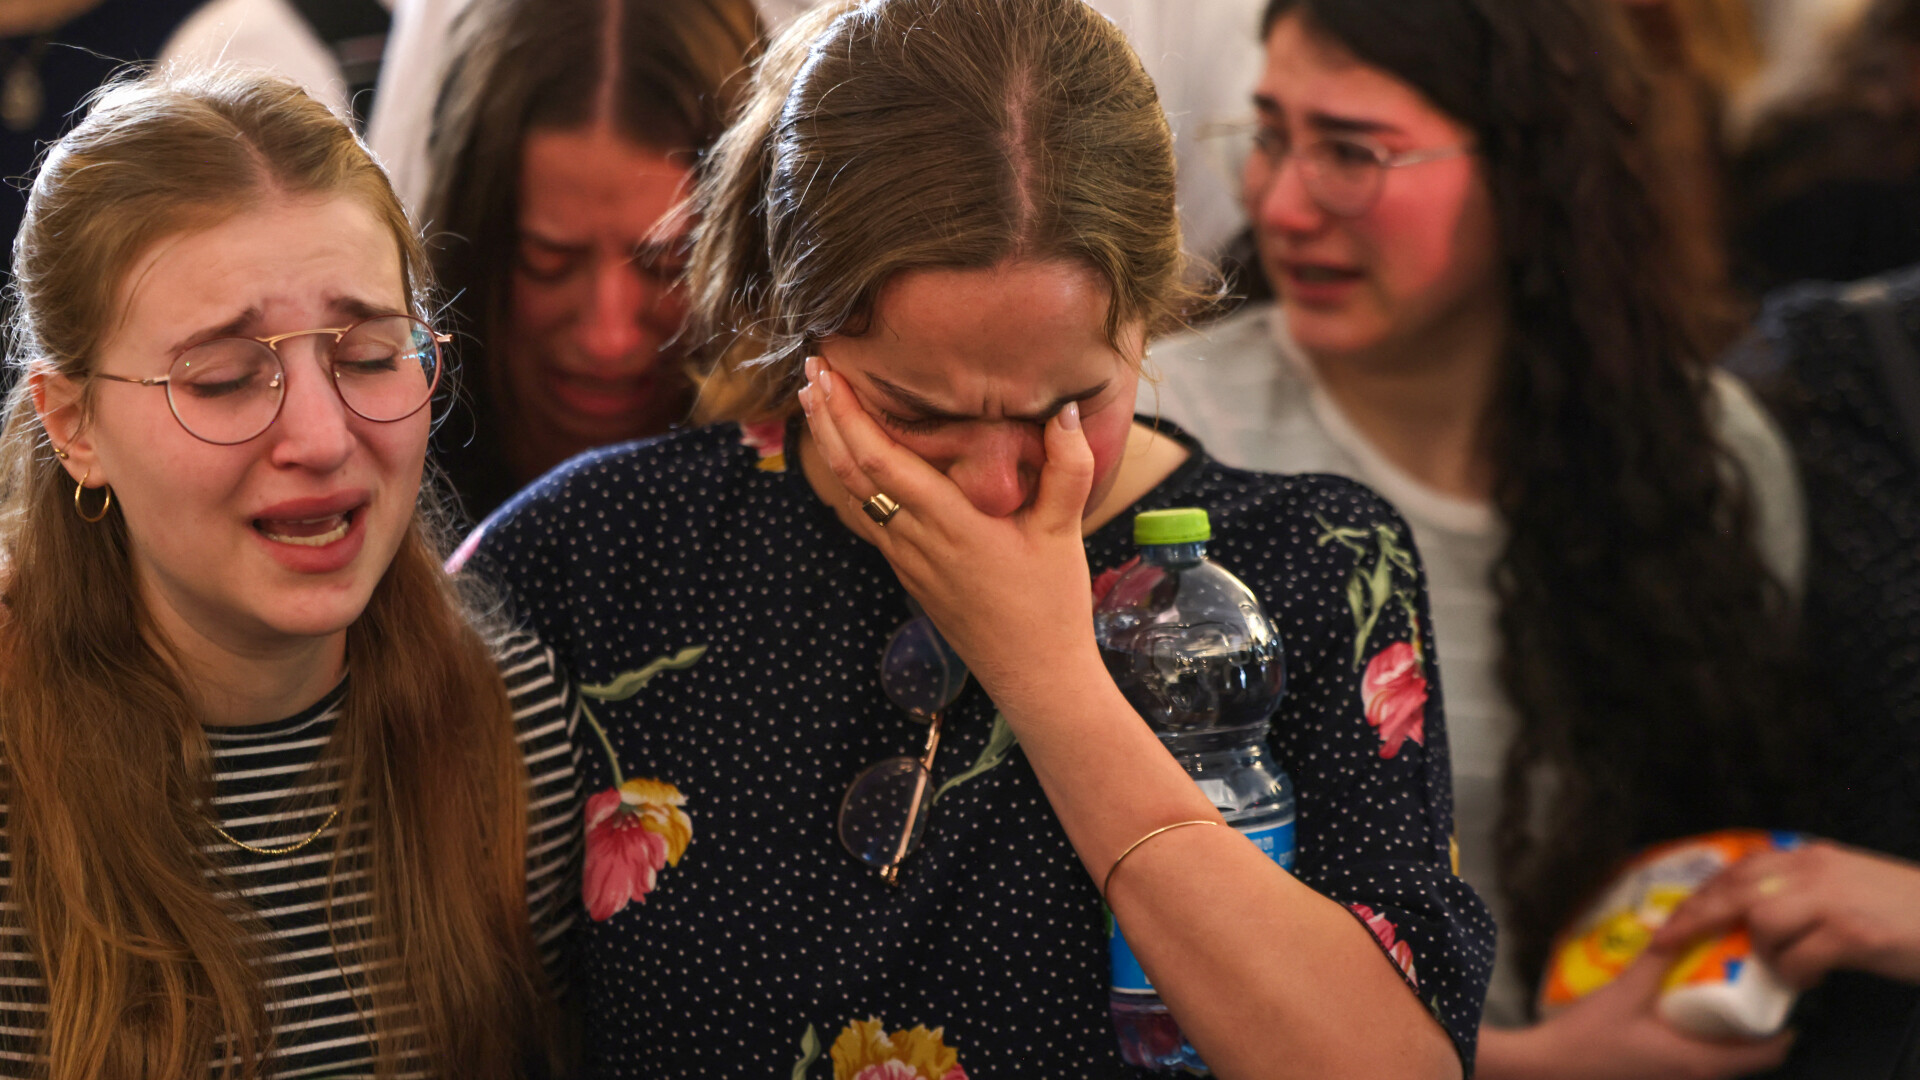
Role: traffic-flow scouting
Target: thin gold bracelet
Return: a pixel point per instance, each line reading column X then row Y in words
column 1135, row 846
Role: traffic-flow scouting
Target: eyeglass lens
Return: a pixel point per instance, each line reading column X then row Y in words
column 229, row 390
column 1341, row 176
column 884, row 813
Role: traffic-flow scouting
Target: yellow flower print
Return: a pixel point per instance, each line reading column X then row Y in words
column 658, row 805
column 864, row 1051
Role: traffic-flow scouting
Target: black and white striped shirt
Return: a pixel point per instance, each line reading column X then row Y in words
column 316, row 993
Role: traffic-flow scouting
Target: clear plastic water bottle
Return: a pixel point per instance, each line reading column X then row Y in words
column 1192, row 649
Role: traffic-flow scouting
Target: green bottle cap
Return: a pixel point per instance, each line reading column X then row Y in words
column 1186, row 525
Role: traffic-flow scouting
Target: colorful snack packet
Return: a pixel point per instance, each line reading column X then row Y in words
column 1718, row 988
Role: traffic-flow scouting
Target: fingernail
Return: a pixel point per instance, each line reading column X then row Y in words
column 806, row 399
column 825, row 382
column 1070, row 416
column 812, row 368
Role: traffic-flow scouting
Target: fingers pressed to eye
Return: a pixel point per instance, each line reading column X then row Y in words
column 870, row 454
column 826, row 436
column 1067, row 478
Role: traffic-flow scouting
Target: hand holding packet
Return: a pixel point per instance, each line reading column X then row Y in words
column 1719, row 988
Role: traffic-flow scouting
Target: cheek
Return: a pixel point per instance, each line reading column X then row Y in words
column 1107, row 433
column 540, row 309
column 1440, row 242
column 399, row 452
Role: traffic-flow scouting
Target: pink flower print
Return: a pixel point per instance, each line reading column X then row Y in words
column 633, row 832
column 1394, row 691
column 1103, row 584
column 889, row 1070
column 1139, row 584
column 1386, row 932
column 768, row 439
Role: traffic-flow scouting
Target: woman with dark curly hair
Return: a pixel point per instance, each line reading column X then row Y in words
column 1481, row 316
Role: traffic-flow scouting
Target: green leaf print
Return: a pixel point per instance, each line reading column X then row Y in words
column 629, row 683
column 1000, row 742
column 624, row 686
column 1377, row 553
column 809, row 1053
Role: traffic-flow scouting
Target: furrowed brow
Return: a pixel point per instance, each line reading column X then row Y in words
column 231, row 327
column 908, row 399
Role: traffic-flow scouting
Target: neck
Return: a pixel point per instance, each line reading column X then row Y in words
column 38, row 16
column 234, row 682
column 1425, row 405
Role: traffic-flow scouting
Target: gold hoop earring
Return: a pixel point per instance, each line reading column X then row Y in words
column 81, row 487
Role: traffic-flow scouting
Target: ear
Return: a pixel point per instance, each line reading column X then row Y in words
column 61, row 406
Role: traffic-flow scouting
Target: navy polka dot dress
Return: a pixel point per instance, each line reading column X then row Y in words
column 727, row 630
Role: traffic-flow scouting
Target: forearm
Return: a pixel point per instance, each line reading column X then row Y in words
column 1267, row 976
column 1508, row 1054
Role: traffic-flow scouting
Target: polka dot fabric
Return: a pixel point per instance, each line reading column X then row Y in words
column 767, row 927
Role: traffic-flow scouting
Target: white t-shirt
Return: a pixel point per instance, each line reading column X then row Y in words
column 267, row 34
column 1244, row 388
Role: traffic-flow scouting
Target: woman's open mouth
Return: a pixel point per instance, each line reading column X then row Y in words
column 306, row 532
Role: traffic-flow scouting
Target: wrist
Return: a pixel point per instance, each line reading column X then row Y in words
column 1514, row 1053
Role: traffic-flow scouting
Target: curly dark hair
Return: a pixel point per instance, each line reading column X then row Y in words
column 1645, row 641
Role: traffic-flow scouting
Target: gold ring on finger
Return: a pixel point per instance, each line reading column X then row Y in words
column 881, row 509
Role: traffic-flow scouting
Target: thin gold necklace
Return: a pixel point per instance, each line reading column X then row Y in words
column 288, row 849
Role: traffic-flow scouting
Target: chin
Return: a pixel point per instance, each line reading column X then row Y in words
column 1328, row 333
column 303, row 613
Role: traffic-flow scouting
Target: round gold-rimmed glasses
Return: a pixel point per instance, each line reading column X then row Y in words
column 227, row 390
column 884, row 812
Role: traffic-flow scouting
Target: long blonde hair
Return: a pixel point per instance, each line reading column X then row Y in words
column 106, row 769
column 890, row 135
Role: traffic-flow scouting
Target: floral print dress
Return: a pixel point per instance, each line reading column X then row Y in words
column 726, row 631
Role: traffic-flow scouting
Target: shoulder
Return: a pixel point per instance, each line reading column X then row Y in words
column 1300, row 514
column 1243, row 331
column 1212, row 360
column 617, row 486
column 537, row 686
column 1750, row 435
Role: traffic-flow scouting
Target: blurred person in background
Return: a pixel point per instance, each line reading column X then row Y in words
column 332, row 48
column 1698, row 56
column 1827, row 185
column 567, row 135
column 1482, row 316
column 53, row 53
column 1840, row 366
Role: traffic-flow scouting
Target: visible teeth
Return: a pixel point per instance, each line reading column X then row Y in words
column 318, row 540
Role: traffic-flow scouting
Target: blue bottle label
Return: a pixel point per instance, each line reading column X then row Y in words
column 1128, row 978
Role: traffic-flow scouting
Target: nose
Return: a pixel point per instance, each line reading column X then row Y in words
column 1000, row 469
column 610, row 329
column 314, row 429
column 1277, row 198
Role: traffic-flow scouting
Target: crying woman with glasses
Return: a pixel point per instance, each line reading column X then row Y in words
column 931, row 251
column 278, row 801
